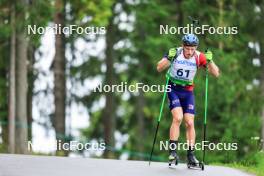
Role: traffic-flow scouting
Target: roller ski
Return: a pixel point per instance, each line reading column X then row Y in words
column 193, row 162
column 173, row 158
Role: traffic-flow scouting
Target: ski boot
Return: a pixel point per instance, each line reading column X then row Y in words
column 173, row 158
column 193, row 162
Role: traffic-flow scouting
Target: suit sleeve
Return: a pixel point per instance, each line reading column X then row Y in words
column 202, row 62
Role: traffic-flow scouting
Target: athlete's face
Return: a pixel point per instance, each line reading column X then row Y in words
column 188, row 51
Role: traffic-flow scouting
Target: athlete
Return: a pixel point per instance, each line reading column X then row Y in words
column 184, row 63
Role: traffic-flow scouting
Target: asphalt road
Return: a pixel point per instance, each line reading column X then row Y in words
column 27, row 165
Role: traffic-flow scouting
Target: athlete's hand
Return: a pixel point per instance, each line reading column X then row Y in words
column 209, row 55
column 172, row 53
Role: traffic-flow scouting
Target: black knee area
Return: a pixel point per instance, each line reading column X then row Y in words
column 190, row 149
column 173, row 145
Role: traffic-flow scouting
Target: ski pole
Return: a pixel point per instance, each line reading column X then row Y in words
column 205, row 107
column 160, row 115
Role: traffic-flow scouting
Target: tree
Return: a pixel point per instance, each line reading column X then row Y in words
column 12, row 83
column 109, row 117
column 59, row 65
column 101, row 14
column 21, row 83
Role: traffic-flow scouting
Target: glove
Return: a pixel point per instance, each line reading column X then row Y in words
column 209, row 55
column 172, row 53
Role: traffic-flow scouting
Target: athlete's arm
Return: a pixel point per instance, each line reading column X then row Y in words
column 163, row 64
column 213, row 69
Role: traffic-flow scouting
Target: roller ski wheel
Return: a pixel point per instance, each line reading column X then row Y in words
column 195, row 165
column 173, row 159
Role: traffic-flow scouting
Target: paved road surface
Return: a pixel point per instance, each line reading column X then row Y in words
column 27, row 165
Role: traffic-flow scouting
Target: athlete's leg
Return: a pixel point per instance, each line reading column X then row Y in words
column 177, row 116
column 190, row 135
column 189, row 112
column 190, row 130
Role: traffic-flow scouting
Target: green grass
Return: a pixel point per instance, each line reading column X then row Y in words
column 253, row 165
column 250, row 169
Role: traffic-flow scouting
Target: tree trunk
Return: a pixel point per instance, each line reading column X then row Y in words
column 4, row 104
column 21, row 93
column 31, row 79
column 12, row 86
column 109, row 112
column 59, row 74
